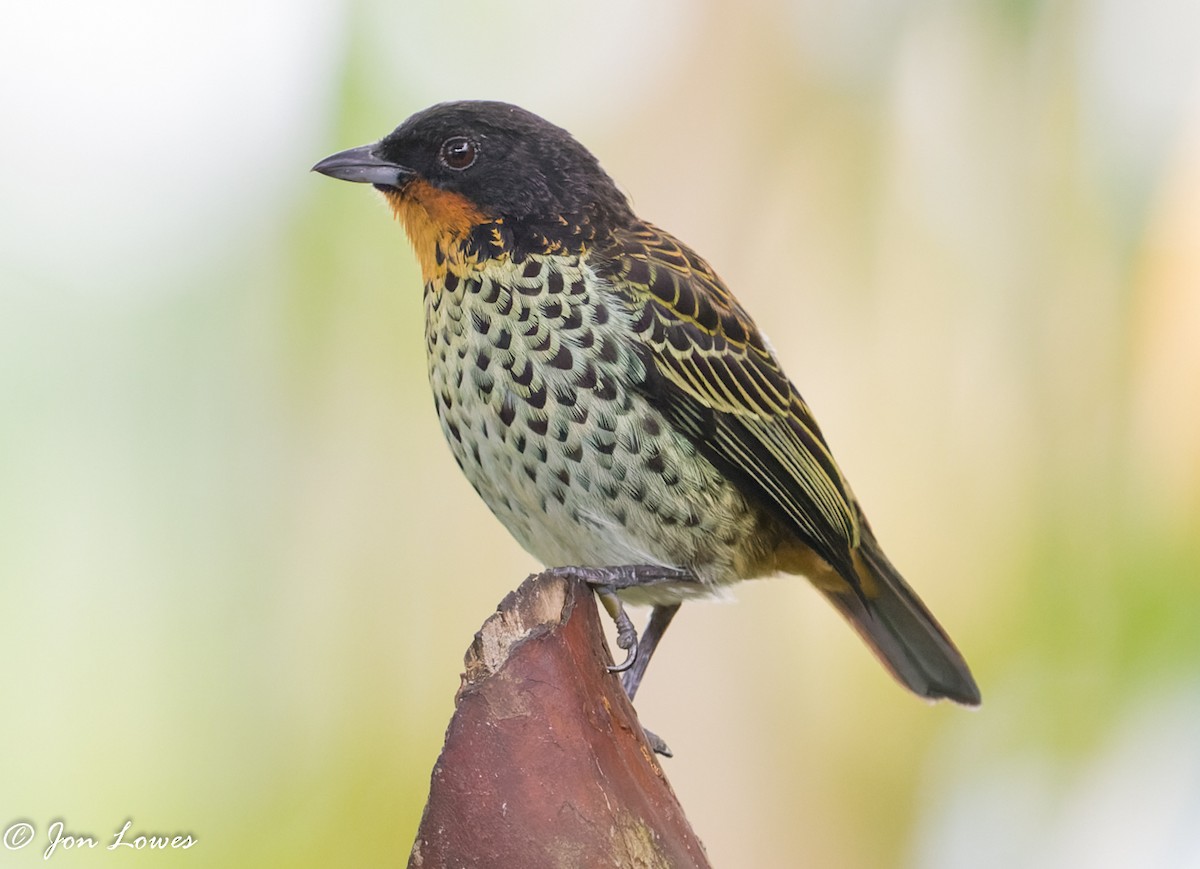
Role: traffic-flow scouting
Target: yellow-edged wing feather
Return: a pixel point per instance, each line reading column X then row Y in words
column 709, row 369
column 717, row 379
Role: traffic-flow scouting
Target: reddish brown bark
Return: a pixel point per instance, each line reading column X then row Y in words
column 545, row 764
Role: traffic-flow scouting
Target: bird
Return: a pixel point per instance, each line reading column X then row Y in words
column 612, row 402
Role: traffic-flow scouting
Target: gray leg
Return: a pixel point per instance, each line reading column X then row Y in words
column 607, row 581
column 660, row 617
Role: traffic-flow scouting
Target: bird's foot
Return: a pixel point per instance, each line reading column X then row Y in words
column 657, row 745
column 607, row 581
column 622, row 576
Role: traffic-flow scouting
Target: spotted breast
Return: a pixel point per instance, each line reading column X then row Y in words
column 535, row 388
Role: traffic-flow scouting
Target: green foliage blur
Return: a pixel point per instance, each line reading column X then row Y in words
column 239, row 569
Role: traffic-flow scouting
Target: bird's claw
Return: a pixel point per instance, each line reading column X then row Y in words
column 627, row 637
column 606, row 582
column 656, row 743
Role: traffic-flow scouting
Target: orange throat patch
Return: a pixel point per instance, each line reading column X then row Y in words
column 437, row 222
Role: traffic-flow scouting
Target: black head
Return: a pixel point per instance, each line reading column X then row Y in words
column 508, row 162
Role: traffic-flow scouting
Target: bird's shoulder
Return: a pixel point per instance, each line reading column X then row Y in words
column 701, row 337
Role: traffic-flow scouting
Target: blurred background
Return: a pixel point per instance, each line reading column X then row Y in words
column 239, row 568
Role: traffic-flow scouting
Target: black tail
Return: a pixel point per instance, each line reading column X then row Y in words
column 903, row 634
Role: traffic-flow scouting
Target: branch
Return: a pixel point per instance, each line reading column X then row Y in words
column 545, row 763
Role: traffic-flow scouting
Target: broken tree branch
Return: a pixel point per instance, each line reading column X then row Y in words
column 545, row 763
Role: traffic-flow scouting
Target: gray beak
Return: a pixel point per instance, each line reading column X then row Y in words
column 364, row 167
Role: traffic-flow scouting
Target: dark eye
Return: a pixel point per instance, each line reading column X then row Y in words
column 458, row 152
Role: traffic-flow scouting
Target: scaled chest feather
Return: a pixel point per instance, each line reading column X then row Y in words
column 534, row 381
column 528, row 374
